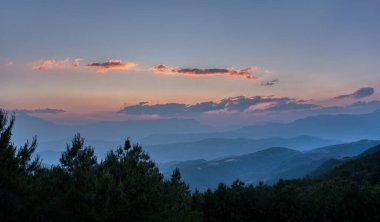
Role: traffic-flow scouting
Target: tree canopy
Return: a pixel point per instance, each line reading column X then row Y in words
column 127, row 186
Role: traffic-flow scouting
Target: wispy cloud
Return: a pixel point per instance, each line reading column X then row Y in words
column 102, row 67
column 41, row 111
column 47, row 64
column 248, row 73
column 270, row 83
column 360, row 93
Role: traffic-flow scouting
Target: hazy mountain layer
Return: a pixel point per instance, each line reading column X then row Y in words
column 267, row 165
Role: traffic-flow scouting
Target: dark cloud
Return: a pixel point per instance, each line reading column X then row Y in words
column 270, row 83
column 248, row 73
column 41, row 111
column 111, row 65
column 360, row 93
column 232, row 104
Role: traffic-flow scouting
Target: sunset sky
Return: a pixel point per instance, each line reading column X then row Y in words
column 126, row 57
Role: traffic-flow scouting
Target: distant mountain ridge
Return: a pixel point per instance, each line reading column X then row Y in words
column 341, row 126
column 27, row 126
column 165, row 131
column 212, row 148
column 345, row 127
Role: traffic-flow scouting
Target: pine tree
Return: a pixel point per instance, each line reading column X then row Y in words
column 16, row 166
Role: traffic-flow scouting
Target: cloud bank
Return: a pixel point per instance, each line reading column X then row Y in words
column 232, row 104
column 248, row 73
column 102, row 67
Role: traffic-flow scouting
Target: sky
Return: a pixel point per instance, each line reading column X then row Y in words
column 199, row 59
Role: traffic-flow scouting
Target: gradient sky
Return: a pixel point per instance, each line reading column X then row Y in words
column 314, row 50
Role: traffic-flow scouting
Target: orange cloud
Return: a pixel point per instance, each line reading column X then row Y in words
column 55, row 64
column 112, row 65
column 248, row 73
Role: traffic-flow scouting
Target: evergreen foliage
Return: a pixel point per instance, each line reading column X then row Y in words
column 127, row 186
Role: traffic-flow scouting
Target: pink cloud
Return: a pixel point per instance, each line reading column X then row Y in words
column 55, row 64
column 77, row 62
column 248, row 73
column 112, row 65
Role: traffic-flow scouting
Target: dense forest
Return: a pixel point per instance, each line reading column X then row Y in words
column 127, row 186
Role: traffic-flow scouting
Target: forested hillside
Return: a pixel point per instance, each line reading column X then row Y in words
column 268, row 165
column 127, row 186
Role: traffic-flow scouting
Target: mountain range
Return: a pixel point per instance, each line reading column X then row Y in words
column 213, row 148
column 267, row 165
column 345, row 127
column 221, row 155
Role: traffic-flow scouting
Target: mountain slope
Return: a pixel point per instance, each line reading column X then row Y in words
column 307, row 162
column 251, row 168
column 364, row 168
column 327, row 166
